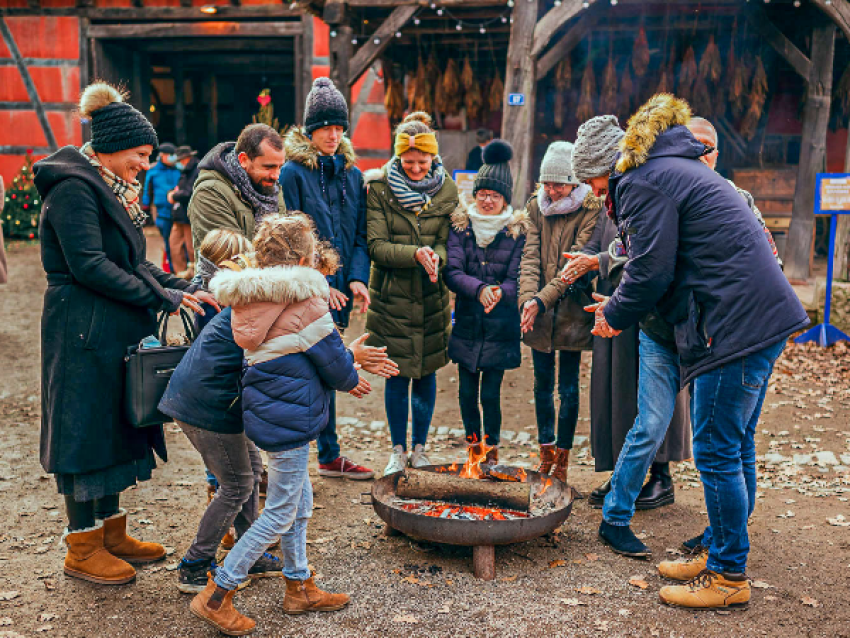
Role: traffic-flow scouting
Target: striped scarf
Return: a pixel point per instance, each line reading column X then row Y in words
column 415, row 196
column 126, row 192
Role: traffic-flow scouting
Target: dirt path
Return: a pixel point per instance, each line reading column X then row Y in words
column 403, row 589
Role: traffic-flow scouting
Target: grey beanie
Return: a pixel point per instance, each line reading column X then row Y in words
column 325, row 106
column 557, row 165
column 596, row 147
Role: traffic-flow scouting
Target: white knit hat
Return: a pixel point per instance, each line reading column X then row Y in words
column 557, row 165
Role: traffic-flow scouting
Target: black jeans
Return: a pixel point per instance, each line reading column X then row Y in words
column 544, row 401
column 490, row 382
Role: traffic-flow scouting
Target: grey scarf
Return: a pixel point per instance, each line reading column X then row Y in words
column 262, row 204
column 565, row 205
column 414, row 195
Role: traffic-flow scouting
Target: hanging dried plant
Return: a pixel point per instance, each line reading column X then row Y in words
column 757, row 98
column 640, row 54
column 585, row 109
column 423, row 90
column 563, row 77
column 467, row 79
column 432, row 69
column 451, row 87
column 842, row 93
column 496, row 94
column 394, row 99
column 738, row 88
column 473, row 102
column 410, row 80
column 439, row 97
column 687, row 75
column 663, row 83
column 626, row 97
column 709, row 65
column 608, row 97
column 701, row 100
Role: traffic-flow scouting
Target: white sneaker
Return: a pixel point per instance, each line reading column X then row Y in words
column 418, row 458
column 398, row 461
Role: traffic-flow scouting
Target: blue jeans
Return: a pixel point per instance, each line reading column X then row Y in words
column 164, row 226
column 658, row 386
column 544, row 400
column 327, row 442
column 398, row 397
column 289, row 506
column 725, row 407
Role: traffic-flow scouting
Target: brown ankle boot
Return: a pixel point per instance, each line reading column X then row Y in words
column 120, row 545
column 303, row 595
column 547, row 458
column 492, row 457
column 215, row 605
column 88, row 559
column 562, row 462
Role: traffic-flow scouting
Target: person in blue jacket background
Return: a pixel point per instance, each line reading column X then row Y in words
column 161, row 179
column 320, row 178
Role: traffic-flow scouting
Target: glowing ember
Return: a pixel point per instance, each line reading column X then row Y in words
column 461, row 512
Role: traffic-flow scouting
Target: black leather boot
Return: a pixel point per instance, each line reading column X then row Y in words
column 658, row 490
column 597, row 497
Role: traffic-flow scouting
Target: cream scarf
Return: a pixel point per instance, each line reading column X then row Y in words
column 486, row 227
column 126, row 192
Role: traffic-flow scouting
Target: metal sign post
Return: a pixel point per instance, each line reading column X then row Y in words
column 832, row 197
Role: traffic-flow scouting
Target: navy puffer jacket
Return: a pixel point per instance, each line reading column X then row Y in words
column 482, row 341
column 695, row 248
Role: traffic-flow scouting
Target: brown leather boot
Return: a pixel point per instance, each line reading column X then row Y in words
column 547, row 458
column 215, row 606
column 562, row 462
column 303, row 595
column 228, row 542
column 88, row 559
column 492, row 457
column 119, row 544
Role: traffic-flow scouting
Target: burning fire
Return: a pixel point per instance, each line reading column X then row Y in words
column 463, row 512
column 545, row 485
column 472, row 467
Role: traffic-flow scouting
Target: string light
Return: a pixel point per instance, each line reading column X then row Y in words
column 333, row 34
column 416, row 21
column 398, row 34
column 797, row 3
column 377, row 41
column 354, row 41
column 585, row 4
column 504, row 20
column 459, row 27
column 613, row 3
column 510, row 3
column 558, row 3
column 439, row 12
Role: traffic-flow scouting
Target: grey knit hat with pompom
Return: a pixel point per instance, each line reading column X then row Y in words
column 325, row 106
column 596, row 147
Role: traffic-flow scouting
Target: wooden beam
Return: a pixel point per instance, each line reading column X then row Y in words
column 567, row 43
column 335, row 12
column 759, row 19
column 839, row 13
column 520, row 77
column 369, row 52
column 86, row 8
column 179, row 103
column 812, row 153
column 304, row 82
column 549, row 24
column 341, row 50
column 195, row 29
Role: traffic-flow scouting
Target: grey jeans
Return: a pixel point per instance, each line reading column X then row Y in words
column 238, row 467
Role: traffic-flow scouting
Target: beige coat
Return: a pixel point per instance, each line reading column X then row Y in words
column 565, row 325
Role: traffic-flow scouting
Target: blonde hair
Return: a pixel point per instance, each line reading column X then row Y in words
column 221, row 244
column 284, row 239
column 416, row 123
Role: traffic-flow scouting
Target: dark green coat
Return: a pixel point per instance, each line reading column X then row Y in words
column 409, row 315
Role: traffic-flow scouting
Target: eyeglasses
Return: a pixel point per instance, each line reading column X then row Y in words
column 551, row 186
column 481, row 196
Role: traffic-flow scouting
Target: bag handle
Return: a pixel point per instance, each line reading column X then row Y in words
column 162, row 326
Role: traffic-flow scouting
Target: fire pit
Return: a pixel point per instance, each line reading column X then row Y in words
column 481, row 526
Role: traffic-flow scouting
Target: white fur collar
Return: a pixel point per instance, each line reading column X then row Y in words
column 279, row 284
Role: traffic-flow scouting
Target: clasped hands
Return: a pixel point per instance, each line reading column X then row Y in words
column 430, row 262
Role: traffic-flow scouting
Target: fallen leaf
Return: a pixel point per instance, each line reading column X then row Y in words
column 44, row 628
column 449, row 582
column 558, row 563
column 810, row 602
column 760, row 584
column 589, row 591
column 42, row 550
column 47, row 617
column 319, row 541
column 572, row 602
column 771, row 598
column 409, row 619
column 49, row 585
column 838, row 521
column 625, row 612
column 509, row 579
column 9, row 595
column 638, row 582
column 412, row 580
column 592, row 557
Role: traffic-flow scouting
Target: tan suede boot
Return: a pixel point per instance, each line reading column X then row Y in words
column 684, row 569
column 215, row 606
column 562, row 462
column 303, row 596
column 119, row 544
column 88, row 559
column 709, row 590
column 547, row 458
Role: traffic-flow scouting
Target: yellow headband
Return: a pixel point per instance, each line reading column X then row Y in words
column 425, row 142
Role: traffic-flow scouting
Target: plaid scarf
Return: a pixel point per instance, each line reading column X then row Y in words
column 126, row 192
column 415, row 196
column 261, row 204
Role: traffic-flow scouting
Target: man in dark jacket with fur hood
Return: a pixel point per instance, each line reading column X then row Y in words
column 697, row 252
column 320, row 179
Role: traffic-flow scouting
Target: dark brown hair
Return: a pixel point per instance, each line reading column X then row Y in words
column 253, row 135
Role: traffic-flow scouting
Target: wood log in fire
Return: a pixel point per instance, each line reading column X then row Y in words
column 453, row 489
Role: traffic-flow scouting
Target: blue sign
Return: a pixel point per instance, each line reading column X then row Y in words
column 516, row 99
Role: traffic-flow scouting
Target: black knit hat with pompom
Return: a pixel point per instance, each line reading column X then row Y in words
column 115, row 125
column 495, row 174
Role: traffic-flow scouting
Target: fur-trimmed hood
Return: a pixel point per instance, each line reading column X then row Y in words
column 300, row 149
column 283, row 285
column 662, row 112
column 517, row 225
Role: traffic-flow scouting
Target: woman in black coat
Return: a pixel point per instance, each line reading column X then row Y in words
column 102, row 297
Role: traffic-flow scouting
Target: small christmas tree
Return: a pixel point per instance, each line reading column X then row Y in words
column 23, row 204
column 266, row 112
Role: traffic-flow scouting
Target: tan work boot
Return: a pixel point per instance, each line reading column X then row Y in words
column 709, row 590
column 547, row 458
column 303, row 595
column 119, row 544
column 685, row 568
column 562, row 462
column 215, row 606
column 88, row 559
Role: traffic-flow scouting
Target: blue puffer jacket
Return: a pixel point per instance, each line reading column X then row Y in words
column 294, row 356
column 695, row 248
column 204, row 389
column 482, row 341
column 159, row 181
column 331, row 191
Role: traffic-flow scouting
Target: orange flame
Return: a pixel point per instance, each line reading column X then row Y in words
column 545, row 485
column 522, row 475
column 472, row 467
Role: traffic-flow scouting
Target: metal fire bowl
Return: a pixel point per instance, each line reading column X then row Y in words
column 473, row 533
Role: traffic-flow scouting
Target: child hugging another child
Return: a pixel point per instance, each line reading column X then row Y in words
column 294, row 360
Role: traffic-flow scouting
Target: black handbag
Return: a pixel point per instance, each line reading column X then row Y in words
column 148, row 373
